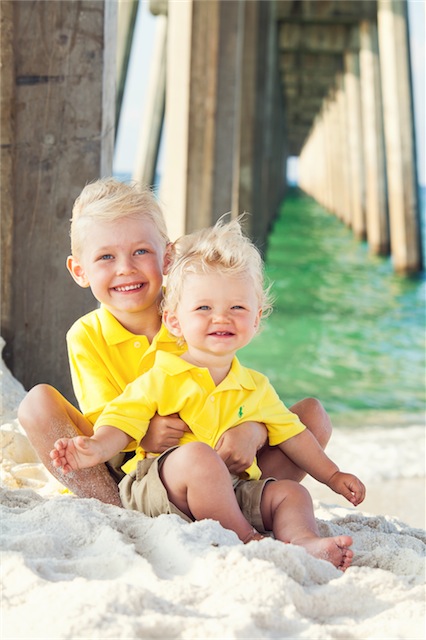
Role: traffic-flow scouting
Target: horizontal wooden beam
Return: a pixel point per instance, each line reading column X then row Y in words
column 325, row 11
column 330, row 38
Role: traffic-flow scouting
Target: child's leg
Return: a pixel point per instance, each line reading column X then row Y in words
column 274, row 463
column 199, row 484
column 287, row 510
column 47, row 416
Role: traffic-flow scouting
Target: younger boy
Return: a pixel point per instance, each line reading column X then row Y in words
column 214, row 302
column 119, row 249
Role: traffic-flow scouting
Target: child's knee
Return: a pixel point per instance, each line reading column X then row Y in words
column 199, row 457
column 198, row 452
column 314, row 416
column 289, row 489
column 35, row 401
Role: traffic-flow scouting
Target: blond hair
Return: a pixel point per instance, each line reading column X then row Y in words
column 108, row 199
column 220, row 249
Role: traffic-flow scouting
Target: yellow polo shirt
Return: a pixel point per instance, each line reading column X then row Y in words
column 104, row 357
column 175, row 386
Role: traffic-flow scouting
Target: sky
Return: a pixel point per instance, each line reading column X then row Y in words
column 138, row 75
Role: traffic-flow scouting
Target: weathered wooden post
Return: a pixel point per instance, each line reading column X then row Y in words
column 58, row 64
column 328, row 155
column 7, row 64
column 200, row 113
column 373, row 139
column 355, row 146
column 260, row 150
column 399, row 135
column 126, row 22
column 343, row 150
column 153, row 114
column 221, row 109
column 313, row 174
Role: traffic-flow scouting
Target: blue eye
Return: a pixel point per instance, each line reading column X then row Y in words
column 203, row 307
column 107, row 256
column 237, row 306
column 141, row 252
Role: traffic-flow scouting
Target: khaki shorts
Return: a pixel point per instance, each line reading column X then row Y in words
column 142, row 490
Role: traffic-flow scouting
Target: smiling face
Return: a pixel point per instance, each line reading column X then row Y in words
column 217, row 314
column 122, row 262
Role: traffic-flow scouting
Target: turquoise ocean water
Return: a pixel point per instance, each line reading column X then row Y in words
column 345, row 327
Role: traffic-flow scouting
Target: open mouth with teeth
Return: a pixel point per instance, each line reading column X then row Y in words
column 221, row 333
column 129, row 287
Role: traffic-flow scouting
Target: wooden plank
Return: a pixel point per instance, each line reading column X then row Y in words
column 355, row 144
column 7, row 85
column 374, row 144
column 127, row 14
column 153, row 114
column 63, row 109
column 404, row 211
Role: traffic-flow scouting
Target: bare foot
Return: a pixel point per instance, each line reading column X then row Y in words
column 335, row 550
column 72, row 454
column 253, row 535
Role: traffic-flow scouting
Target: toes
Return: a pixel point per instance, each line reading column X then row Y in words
column 253, row 535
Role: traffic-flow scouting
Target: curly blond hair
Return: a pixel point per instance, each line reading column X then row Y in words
column 108, row 199
column 222, row 248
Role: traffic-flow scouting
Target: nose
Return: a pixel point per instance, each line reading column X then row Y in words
column 125, row 266
column 220, row 317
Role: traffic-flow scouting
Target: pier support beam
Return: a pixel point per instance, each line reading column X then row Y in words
column 174, row 184
column 373, row 140
column 195, row 120
column 330, row 195
column 355, row 146
column 127, row 13
column 221, row 110
column 59, row 72
column 7, row 96
column 399, row 135
column 200, row 112
column 153, row 116
column 260, row 151
column 342, row 153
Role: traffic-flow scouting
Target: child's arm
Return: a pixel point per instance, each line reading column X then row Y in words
column 82, row 452
column 305, row 451
column 92, row 373
column 163, row 432
column 238, row 446
column 95, row 386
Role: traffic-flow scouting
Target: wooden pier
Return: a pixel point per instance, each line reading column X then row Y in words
column 239, row 86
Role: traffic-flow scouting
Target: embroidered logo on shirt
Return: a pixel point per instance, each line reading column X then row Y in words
column 240, row 411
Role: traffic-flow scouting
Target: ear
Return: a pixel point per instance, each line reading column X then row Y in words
column 257, row 319
column 168, row 257
column 77, row 272
column 172, row 323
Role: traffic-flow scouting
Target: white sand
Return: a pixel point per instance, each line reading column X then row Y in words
column 75, row 568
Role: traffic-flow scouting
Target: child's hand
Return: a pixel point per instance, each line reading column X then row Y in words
column 163, row 432
column 238, row 446
column 71, row 454
column 348, row 486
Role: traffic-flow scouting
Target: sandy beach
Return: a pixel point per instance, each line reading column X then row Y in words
column 75, row 568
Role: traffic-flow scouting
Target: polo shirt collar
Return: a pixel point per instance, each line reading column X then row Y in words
column 237, row 378
column 114, row 332
column 163, row 336
column 171, row 363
